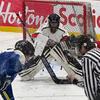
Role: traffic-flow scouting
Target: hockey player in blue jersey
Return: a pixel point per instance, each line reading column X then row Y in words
column 12, row 62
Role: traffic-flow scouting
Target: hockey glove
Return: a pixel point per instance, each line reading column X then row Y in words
column 51, row 43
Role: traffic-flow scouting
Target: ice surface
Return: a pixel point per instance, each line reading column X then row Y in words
column 42, row 87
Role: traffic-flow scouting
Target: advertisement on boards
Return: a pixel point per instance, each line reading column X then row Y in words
column 37, row 15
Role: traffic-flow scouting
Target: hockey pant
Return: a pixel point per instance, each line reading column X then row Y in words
column 7, row 92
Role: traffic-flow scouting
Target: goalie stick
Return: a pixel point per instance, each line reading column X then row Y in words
column 52, row 74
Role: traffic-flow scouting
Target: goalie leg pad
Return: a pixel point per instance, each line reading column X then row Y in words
column 57, row 53
column 29, row 74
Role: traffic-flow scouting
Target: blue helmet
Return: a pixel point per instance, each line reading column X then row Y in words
column 25, row 47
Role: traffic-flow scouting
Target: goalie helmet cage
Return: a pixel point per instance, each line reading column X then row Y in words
column 75, row 16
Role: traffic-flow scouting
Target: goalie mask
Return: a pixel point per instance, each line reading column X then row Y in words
column 87, row 41
column 54, row 20
column 25, row 47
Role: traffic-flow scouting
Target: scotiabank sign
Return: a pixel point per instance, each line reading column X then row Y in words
column 37, row 13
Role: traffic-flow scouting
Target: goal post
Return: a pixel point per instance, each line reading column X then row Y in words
column 75, row 16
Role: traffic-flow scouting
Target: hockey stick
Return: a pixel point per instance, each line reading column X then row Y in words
column 23, row 23
column 52, row 74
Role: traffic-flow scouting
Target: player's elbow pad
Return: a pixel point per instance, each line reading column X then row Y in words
column 34, row 35
column 65, row 38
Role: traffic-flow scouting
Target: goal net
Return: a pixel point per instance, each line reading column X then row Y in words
column 75, row 16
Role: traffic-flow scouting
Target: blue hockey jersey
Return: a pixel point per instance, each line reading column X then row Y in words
column 10, row 63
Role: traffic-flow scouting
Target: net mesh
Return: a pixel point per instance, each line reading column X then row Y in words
column 75, row 16
column 74, row 24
